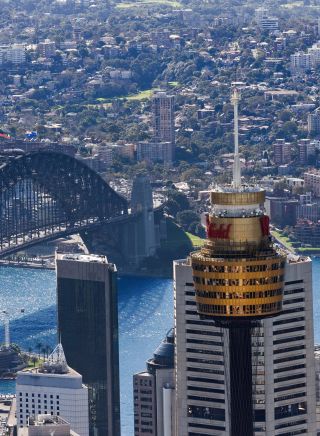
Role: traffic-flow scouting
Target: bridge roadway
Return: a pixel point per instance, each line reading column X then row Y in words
column 61, row 233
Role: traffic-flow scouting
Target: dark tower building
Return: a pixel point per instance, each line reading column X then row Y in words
column 88, row 328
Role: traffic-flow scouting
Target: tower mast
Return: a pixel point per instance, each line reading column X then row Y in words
column 236, row 165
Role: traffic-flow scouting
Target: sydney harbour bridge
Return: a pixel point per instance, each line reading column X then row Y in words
column 45, row 195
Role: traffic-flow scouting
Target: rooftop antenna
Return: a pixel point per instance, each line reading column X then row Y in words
column 236, row 183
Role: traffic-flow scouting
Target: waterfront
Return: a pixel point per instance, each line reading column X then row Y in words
column 145, row 314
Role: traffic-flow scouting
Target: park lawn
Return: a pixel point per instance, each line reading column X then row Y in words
column 174, row 84
column 126, row 5
column 309, row 250
column 283, row 239
column 195, row 240
column 142, row 95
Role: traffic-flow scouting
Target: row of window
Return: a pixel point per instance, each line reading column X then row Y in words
column 233, row 295
column 286, row 340
column 237, row 268
column 293, row 301
column 289, row 359
column 198, row 341
column 39, row 395
column 258, row 309
column 236, row 282
column 201, row 351
column 205, row 370
column 290, row 330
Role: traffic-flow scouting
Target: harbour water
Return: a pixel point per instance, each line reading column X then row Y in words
column 145, row 314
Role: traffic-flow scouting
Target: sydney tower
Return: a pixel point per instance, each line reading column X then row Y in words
column 239, row 279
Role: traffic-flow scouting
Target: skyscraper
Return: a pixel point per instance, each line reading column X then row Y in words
column 163, row 119
column 282, row 365
column 88, row 327
column 282, row 152
column 245, row 363
column 53, row 389
column 153, row 392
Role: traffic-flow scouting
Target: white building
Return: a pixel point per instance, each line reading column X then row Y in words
column 53, row 389
column 155, row 151
column 300, row 62
column 314, row 122
column 264, row 21
column 16, row 54
column 283, row 362
column 312, row 181
column 47, row 48
column 314, row 51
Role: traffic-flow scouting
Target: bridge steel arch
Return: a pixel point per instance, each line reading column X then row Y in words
column 45, row 193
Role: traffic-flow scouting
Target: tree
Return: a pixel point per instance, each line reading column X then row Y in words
column 180, row 198
column 186, row 218
column 38, row 347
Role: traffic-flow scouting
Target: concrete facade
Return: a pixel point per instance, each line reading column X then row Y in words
column 283, row 362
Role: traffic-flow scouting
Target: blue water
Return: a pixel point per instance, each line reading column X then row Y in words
column 145, row 314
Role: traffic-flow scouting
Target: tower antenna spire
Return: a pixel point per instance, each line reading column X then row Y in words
column 236, row 165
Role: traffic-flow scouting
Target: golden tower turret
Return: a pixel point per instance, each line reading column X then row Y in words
column 238, row 274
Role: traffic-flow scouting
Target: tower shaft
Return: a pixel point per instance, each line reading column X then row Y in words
column 240, row 357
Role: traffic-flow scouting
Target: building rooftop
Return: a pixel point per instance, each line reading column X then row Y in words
column 56, row 362
column 91, row 258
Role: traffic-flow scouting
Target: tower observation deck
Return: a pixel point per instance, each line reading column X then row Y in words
column 239, row 279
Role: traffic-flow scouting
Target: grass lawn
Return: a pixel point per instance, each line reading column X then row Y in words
column 132, row 4
column 309, row 250
column 173, row 84
column 283, row 239
column 142, row 95
column 195, row 240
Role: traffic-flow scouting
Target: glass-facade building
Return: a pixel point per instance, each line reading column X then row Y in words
column 88, row 329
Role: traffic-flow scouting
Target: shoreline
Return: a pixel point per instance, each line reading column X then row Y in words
column 25, row 265
column 31, row 265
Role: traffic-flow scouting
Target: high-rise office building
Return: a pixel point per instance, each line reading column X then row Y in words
column 88, row 327
column 53, row 389
column 163, row 119
column 283, row 362
column 282, row 152
column 314, row 122
column 244, row 333
column 306, row 151
column 312, row 181
column 153, row 392
column 47, row 48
